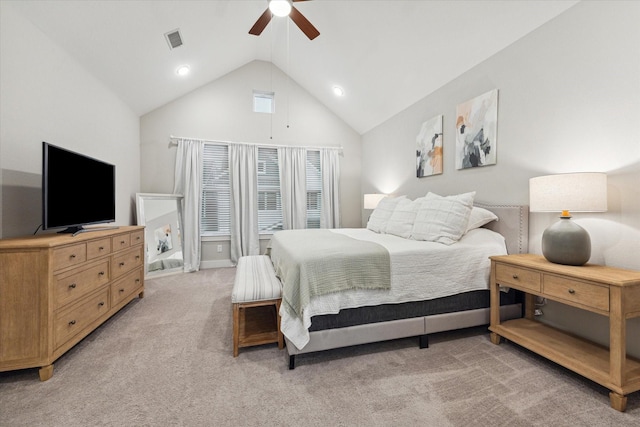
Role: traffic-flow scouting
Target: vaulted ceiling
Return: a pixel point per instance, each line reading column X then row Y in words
column 385, row 54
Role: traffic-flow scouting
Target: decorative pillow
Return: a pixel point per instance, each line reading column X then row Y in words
column 381, row 214
column 480, row 217
column 443, row 219
column 401, row 221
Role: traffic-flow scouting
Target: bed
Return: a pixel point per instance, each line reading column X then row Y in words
column 375, row 311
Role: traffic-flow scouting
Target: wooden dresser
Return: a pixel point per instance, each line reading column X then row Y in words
column 611, row 292
column 55, row 289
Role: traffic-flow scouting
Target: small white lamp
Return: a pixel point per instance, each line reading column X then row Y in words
column 371, row 200
column 565, row 242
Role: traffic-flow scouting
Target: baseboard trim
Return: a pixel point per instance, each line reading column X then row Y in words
column 220, row 263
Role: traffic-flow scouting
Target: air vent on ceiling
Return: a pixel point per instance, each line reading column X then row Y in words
column 173, row 38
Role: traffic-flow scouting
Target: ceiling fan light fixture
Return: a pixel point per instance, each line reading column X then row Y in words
column 280, row 7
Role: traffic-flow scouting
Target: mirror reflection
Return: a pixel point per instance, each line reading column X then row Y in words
column 161, row 214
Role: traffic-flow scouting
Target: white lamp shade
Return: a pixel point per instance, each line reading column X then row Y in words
column 371, row 200
column 577, row 192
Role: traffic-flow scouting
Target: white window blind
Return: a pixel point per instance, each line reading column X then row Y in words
column 269, row 200
column 314, row 189
column 216, row 191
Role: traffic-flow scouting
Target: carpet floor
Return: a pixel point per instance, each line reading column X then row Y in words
column 166, row 360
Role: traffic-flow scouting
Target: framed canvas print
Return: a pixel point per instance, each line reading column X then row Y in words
column 476, row 131
column 429, row 148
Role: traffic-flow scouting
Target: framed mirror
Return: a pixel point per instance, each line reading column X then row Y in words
column 161, row 214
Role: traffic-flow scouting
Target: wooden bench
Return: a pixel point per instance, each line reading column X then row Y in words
column 256, row 298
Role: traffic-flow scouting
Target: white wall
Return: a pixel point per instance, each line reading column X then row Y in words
column 569, row 101
column 48, row 96
column 223, row 110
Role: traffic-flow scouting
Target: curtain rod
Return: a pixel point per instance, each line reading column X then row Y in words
column 217, row 141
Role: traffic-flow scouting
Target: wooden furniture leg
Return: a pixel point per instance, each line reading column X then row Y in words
column 618, row 401
column 46, row 372
column 236, row 329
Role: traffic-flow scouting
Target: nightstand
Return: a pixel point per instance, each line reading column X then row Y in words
column 608, row 291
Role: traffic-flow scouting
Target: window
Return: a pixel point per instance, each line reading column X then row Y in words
column 314, row 189
column 216, row 191
column 263, row 102
column 269, row 200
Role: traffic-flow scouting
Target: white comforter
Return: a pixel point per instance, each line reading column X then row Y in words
column 419, row 271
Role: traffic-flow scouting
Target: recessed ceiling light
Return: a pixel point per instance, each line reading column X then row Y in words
column 338, row 91
column 280, row 7
column 183, row 70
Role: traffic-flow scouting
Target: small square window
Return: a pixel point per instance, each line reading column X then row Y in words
column 263, row 102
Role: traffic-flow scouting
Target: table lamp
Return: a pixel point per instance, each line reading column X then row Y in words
column 371, row 200
column 565, row 242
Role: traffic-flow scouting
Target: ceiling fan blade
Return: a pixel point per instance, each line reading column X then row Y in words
column 304, row 24
column 261, row 23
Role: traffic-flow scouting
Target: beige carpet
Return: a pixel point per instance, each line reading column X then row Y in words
column 166, row 360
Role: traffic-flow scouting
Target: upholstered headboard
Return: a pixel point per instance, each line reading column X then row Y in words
column 513, row 224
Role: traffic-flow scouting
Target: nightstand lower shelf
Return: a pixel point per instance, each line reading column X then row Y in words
column 581, row 356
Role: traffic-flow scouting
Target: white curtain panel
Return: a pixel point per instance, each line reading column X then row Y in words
column 188, row 171
column 293, row 186
column 243, row 164
column 330, row 168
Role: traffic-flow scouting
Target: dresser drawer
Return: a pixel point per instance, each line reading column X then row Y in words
column 98, row 248
column 71, row 321
column 67, row 256
column 521, row 278
column 137, row 237
column 121, row 241
column 576, row 292
column 124, row 287
column 76, row 283
column 126, row 261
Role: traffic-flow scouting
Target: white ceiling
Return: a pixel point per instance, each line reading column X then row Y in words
column 385, row 54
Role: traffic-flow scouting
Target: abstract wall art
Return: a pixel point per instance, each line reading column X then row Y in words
column 476, row 131
column 429, row 148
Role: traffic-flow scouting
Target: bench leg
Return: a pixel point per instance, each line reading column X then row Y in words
column 280, row 336
column 236, row 329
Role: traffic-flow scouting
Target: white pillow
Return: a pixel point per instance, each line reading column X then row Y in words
column 401, row 221
column 480, row 217
column 381, row 214
column 443, row 219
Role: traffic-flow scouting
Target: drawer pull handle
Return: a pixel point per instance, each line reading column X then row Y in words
column 137, row 280
column 72, row 256
column 73, row 322
column 121, row 264
column 72, row 286
column 122, row 242
column 571, row 291
column 515, row 276
column 137, row 256
column 101, row 303
column 121, row 290
column 101, row 248
column 101, row 273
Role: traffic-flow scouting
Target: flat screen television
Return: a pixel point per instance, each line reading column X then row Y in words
column 77, row 190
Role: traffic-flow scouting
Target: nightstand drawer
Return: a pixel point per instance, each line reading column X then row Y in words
column 507, row 275
column 577, row 292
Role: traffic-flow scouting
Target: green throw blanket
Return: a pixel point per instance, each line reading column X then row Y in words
column 318, row 262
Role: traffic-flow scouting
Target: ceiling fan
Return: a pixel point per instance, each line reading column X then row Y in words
column 284, row 8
